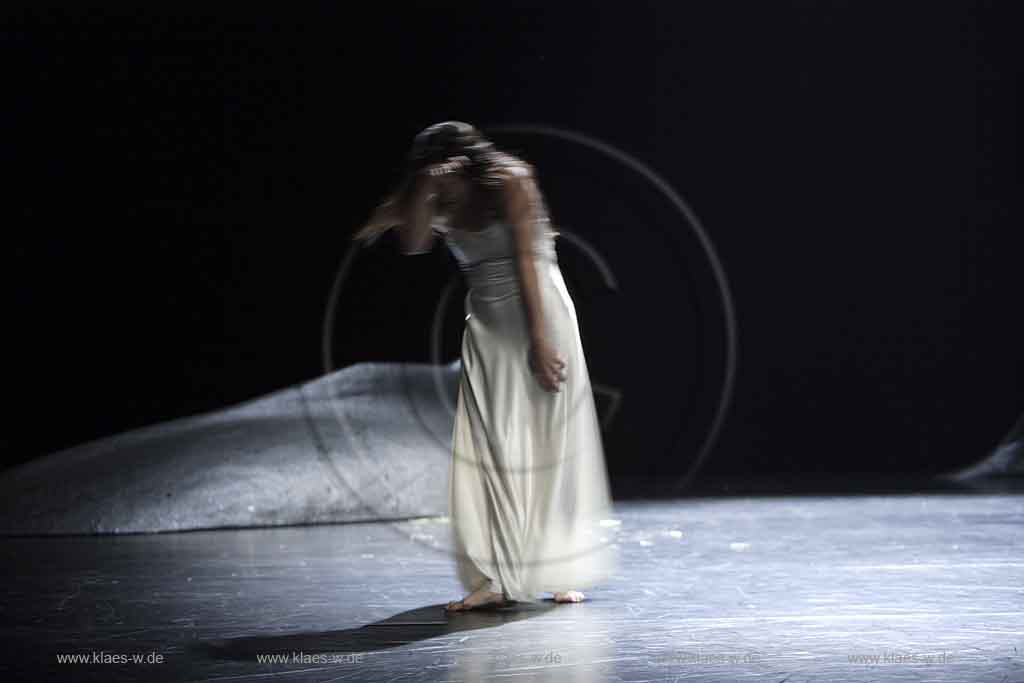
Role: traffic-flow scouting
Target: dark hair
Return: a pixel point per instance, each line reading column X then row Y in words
column 442, row 141
column 487, row 169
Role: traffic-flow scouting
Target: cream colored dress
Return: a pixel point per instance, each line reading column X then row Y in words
column 528, row 487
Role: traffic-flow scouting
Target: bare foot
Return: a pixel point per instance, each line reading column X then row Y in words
column 569, row 596
column 476, row 599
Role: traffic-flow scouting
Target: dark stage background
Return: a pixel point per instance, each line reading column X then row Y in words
column 183, row 181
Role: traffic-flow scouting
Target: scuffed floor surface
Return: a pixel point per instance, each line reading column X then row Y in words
column 853, row 588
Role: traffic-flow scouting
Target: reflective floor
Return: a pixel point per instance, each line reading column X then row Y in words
column 900, row 587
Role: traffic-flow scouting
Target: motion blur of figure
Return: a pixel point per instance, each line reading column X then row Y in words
column 528, row 487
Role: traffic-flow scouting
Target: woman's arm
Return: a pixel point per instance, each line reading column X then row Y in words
column 408, row 211
column 521, row 205
column 415, row 235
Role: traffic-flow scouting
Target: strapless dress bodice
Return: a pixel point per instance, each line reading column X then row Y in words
column 487, row 256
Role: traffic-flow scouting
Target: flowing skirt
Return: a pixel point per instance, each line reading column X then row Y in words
column 528, row 489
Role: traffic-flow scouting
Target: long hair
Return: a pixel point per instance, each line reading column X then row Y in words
column 438, row 143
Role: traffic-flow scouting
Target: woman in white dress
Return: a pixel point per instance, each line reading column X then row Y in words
column 528, row 486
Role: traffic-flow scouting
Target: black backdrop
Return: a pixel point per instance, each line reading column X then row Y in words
column 182, row 183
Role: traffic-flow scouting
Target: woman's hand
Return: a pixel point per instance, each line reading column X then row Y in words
column 443, row 168
column 547, row 366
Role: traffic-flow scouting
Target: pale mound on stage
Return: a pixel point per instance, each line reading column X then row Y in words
column 368, row 442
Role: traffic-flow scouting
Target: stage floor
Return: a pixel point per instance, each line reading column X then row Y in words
column 894, row 587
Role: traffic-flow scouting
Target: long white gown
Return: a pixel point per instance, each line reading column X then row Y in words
column 528, row 488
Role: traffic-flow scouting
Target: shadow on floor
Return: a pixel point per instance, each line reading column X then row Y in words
column 411, row 626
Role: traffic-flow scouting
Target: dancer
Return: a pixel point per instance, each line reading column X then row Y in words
column 528, row 487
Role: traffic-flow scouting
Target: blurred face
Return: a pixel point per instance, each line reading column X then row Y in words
column 454, row 189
